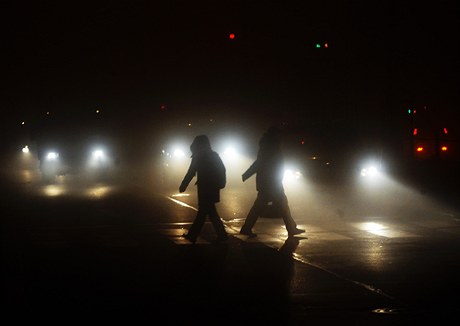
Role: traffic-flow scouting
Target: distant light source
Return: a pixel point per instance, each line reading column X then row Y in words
column 230, row 151
column 420, row 149
column 291, row 175
column 25, row 149
column 444, row 148
column 179, row 153
column 98, row 154
column 52, row 156
column 231, row 36
column 370, row 171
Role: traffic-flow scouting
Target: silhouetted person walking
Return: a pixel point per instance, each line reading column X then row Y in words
column 269, row 171
column 209, row 169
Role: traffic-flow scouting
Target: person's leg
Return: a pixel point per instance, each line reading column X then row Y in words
column 217, row 222
column 291, row 225
column 253, row 215
column 197, row 225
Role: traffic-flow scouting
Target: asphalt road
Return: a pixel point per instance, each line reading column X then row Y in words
column 78, row 249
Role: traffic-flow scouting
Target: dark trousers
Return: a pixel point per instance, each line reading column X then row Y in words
column 207, row 209
column 279, row 201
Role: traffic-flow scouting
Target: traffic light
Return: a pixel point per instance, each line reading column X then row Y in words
column 231, row 36
column 319, row 45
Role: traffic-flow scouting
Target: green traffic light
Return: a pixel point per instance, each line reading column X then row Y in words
column 318, row 45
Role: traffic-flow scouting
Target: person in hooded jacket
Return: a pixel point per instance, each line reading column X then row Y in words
column 269, row 171
column 209, row 170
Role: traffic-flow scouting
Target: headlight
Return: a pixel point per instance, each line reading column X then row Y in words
column 99, row 157
column 291, row 175
column 178, row 153
column 52, row 156
column 370, row 171
column 98, row 154
column 230, row 152
column 175, row 152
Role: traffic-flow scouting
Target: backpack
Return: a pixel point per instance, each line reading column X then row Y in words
column 220, row 173
column 212, row 172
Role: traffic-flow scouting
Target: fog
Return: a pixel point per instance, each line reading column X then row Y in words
column 316, row 191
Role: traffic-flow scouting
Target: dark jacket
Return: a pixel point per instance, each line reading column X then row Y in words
column 268, row 167
column 207, row 167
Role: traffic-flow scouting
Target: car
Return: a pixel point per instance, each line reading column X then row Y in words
column 73, row 143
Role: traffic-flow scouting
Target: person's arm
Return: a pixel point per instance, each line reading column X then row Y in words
column 188, row 176
column 251, row 171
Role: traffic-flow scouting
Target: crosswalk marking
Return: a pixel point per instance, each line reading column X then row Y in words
column 328, row 236
column 176, row 236
column 343, row 231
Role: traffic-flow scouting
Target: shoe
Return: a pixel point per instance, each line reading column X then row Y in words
column 295, row 231
column 250, row 234
column 189, row 238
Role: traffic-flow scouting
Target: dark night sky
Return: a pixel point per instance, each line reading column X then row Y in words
column 133, row 56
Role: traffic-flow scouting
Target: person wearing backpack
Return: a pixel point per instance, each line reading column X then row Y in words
column 210, row 172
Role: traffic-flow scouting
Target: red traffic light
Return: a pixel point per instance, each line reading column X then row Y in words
column 231, row 36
